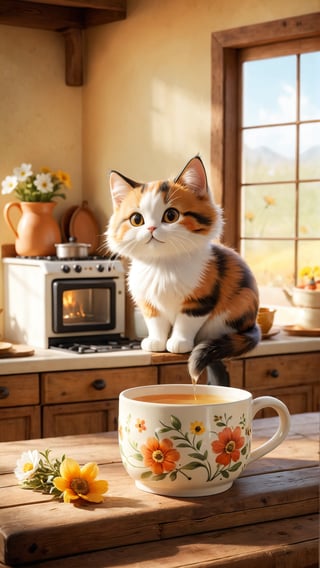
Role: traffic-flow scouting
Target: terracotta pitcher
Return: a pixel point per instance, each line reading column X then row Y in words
column 37, row 230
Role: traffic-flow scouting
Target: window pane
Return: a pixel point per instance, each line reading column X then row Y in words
column 268, row 211
column 308, row 255
column 268, row 154
column 310, row 151
column 272, row 262
column 309, row 211
column 310, row 86
column 269, row 91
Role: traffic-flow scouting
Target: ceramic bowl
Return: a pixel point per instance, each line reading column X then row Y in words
column 306, row 298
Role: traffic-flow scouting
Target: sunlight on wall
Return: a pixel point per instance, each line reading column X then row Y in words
column 177, row 120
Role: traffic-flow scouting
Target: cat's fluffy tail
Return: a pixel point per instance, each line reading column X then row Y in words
column 224, row 347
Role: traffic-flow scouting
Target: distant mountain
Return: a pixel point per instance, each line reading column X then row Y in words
column 311, row 155
column 262, row 161
column 265, row 154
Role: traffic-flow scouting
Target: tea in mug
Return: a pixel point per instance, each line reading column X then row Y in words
column 176, row 398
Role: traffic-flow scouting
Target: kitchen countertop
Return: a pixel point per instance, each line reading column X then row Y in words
column 56, row 360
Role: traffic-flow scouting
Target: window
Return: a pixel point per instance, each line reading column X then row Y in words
column 266, row 144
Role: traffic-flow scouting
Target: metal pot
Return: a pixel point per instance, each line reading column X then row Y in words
column 72, row 250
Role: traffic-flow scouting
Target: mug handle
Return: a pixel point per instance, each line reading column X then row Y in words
column 283, row 428
column 6, row 215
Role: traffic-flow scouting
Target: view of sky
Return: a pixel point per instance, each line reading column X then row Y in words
column 270, row 95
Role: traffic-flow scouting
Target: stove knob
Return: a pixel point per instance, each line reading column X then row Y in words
column 77, row 268
column 65, row 268
column 100, row 267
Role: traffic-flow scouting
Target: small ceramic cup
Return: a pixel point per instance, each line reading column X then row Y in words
column 182, row 447
column 265, row 319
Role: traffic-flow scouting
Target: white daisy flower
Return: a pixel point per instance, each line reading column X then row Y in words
column 9, row 184
column 43, row 183
column 27, row 465
column 23, row 172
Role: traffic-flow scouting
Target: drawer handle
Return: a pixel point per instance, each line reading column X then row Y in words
column 4, row 392
column 274, row 373
column 99, row 384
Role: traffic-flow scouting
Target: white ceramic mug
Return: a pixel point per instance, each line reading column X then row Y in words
column 192, row 449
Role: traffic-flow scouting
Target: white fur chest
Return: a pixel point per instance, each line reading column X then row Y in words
column 166, row 284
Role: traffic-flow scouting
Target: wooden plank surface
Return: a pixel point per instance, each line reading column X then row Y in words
column 33, row 527
column 283, row 544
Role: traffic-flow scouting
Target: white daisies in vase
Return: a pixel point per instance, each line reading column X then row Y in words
column 30, row 187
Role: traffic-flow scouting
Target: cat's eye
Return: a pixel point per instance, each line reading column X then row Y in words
column 136, row 220
column 171, row 215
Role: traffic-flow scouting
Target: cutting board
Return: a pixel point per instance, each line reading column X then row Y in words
column 16, row 351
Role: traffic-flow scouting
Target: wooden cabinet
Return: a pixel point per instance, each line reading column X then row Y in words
column 84, row 402
column 293, row 378
column 176, row 374
column 19, row 407
column 82, row 418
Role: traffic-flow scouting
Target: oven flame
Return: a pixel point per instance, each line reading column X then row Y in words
column 72, row 308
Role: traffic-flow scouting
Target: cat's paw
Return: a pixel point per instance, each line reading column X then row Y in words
column 153, row 344
column 179, row 345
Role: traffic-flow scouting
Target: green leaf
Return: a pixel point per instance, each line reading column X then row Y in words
column 235, row 466
column 193, row 465
column 183, row 445
column 197, row 456
column 146, row 475
column 199, row 444
column 137, row 457
column 175, row 422
column 224, row 473
column 159, row 477
column 173, row 475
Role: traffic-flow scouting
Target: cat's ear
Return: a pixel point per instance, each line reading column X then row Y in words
column 194, row 176
column 120, row 186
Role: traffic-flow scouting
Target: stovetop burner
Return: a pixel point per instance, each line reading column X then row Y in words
column 89, row 347
column 56, row 258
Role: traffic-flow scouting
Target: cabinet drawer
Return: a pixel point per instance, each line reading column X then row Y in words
column 282, row 370
column 95, row 384
column 19, row 390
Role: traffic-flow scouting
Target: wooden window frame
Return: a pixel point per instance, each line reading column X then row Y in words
column 226, row 49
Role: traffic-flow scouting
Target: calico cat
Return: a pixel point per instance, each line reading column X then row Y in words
column 195, row 295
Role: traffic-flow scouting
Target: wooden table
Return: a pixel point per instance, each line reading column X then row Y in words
column 268, row 518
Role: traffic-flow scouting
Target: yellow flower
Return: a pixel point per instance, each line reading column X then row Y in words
column 76, row 482
column 197, row 428
column 305, row 271
column 269, row 200
column 249, row 216
column 64, row 178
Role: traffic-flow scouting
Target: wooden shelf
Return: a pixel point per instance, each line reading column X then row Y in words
column 68, row 17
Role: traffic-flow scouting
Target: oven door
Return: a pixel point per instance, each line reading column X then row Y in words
column 83, row 305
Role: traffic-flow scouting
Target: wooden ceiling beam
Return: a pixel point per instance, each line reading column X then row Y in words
column 68, row 17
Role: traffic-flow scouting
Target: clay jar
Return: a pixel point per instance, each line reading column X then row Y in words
column 37, row 230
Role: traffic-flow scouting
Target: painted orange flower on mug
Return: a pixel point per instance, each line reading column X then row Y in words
column 140, row 425
column 159, row 455
column 228, row 445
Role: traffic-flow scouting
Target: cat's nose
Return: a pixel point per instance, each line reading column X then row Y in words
column 151, row 229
